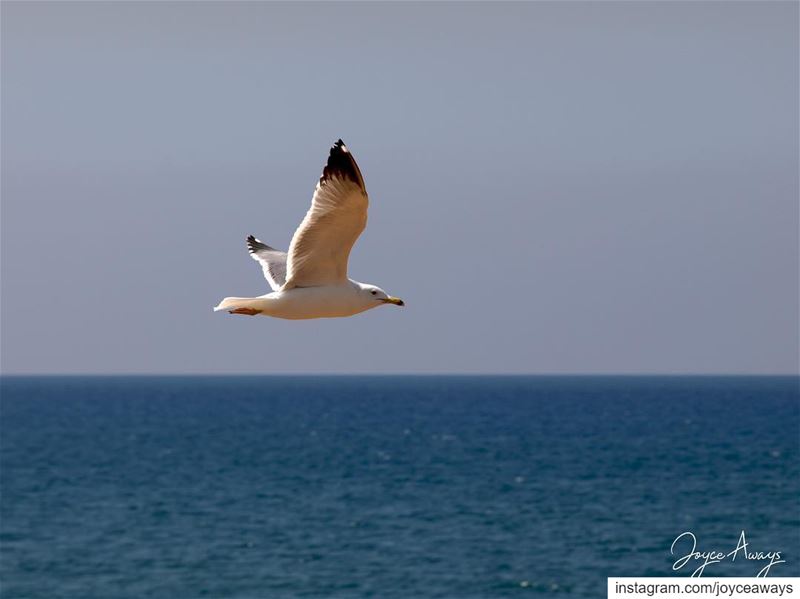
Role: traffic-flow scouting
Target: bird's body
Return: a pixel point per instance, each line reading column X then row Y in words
column 300, row 303
column 310, row 281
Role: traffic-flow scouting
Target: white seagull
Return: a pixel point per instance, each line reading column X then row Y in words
column 311, row 280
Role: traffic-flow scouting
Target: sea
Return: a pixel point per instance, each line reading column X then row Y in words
column 390, row 486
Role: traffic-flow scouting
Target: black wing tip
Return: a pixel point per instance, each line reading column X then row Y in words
column 254, row 245
column 341, row 165
column 338, row 148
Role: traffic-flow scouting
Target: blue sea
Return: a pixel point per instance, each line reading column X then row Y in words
column 408, row 487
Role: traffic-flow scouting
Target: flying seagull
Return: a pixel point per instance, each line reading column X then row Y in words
column 310, row 281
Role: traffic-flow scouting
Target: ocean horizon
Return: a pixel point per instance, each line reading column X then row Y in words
column 245, row 486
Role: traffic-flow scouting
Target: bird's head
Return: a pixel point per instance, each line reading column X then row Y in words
column 376, row 294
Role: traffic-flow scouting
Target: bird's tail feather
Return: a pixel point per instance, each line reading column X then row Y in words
column 231, row 303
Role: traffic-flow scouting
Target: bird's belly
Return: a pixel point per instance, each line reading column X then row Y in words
column 312, row 302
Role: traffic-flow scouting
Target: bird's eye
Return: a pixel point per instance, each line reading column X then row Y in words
column 373, row 292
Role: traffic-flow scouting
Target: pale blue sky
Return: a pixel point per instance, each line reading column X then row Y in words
column 555, row 187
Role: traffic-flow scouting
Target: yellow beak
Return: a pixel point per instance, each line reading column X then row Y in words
column 394, row 300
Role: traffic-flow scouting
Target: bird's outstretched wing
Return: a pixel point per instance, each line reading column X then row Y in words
column 321, row 245
column 272, row 261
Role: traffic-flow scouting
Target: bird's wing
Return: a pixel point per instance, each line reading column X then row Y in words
column 321, row 245
column 272, row 261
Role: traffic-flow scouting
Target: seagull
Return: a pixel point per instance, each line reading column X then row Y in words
column 310, row 281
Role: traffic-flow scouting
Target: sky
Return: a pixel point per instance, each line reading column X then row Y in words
column 607, row 187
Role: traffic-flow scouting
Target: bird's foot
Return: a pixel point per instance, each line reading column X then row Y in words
column 247, row 311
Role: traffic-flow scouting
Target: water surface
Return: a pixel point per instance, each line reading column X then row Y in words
column 245, row 487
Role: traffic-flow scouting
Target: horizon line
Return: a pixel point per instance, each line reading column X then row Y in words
column 397, row 374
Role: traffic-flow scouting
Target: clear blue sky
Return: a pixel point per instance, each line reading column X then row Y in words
column 555, row 187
